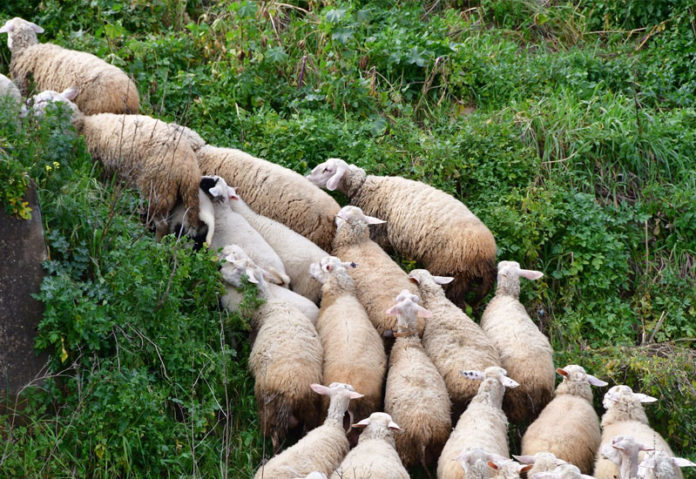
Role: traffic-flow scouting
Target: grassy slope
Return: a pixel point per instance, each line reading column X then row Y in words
column 569, row 129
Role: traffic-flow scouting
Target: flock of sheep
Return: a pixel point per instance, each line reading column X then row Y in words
column 401, row 359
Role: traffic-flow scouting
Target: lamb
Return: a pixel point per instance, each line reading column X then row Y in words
column 659, row 465
column 146, row 153
column 416, row 395
column 353, row 350
column 8, row 88
column 105, row 88
column 379, row 278
column 524, row 350
column 323, row 448
column 375, row 456
column 232, row 228
column 285, row 359
column 482, row 425
column 568, row 426
column 238, row 264
column 275, row 192
column 623, row 451
column 296, row 251
column 541, row 462
column 625, row 416
column 565, row 471
column 452, row 340
column 423, row 223
column 478, row 464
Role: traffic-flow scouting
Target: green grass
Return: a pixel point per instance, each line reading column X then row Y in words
column 568, row 128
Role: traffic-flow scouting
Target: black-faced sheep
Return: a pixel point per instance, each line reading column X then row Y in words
column 104, row 88
column 423, row 223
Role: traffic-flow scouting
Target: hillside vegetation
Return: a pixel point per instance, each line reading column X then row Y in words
column 569, row 128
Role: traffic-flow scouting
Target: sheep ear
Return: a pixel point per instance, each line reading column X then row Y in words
column 36, row 28
column 207, row 183
column 644, row 398
column 596, row 381
column 530, row 274
column 476, row 375
column 71, row 93
column 525, row 459
column 350, row 264
column 422, row 312
column 493, row 465
column 526, row 467
column 232, row 193
column 8, row 27
column 371, row 220
column 443, row 279
column 395, row 427
column 562, row 372
column 393, row 311
column 251, row 275
column 335, row 179
column 413, row 279
column 321, row 389
column 681, row 462
column 356, row 395
column 364, row 423
column 509, row 382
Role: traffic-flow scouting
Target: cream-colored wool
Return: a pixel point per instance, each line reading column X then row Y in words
column 378, row 279
column 423, row 223
column 540, row 462
column 625, row 416
column 274, row 191
column 483, row 425
column 285, row 359
column 416, row 395
column 8, row 88
column 323, row 448
column 104, row 88
column 353, row 350
column 452, row 340
column 568, row 426
column 565, row 471
column 525, row 352
column 659, row 465
column 375, row 456
column 232, row 228
column 296, row 251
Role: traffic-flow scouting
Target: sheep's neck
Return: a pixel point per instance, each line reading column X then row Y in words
column 352, row 181
column 380, row 432
column 490, row 392
column 430, row 291
column 629, row 465
column 337, row 409
column 339, row 283
column 508, row 286
column 624, row 412
column 574, row 388
column 351, row 234
column 406, row 327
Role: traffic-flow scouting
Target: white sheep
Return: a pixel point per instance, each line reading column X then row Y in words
column 232, row 228
column 237, row 264
column 452, row 340
column 375, row 456
column 625, row 416
column 144, row 152
column 525, row 352
column 623, row 451
column 275, row 192
column 353, row 350
column 104, row 88
column 378, row 279
column 541, row 462
column 568, row 426
column 659, row 465
column 8, row 88
column 565, row 471
column 483, row 424
column 416, row 395
column 323, row 448
column 296, row 251
column 423, row 223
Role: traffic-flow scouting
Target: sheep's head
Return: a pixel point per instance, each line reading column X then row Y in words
column 427, row 281
column 20, row 33
column 660, row 464
column 509, row 274
column 565, row 471
column 542, row 461
column 378, row 420
column 476, row 461
column 407, row 311
column 492, row 372
column 354, row 216
column 217, row 190
column 41, row 101
column 327, row 266
column 328, row 174
column 624, row 395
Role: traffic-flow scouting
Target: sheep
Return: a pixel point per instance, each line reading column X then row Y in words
column 353, row 350
column 623, row 451
column 423, row 223
column 323, row 448
column 452, row 340
column 625, row 416
column 416, row 395
column 506, row 468
column 146, row 153
column 565, row 471
column 482, row 425
column 659, row 465
column 275, row 192
column 379, row 278
column 105, row 88
column 524, row 350
column 541, row 462
column 296, row 251
column 375, row 456
column 237, row 264
column 8, row 88
column 232, row 228
column 479, row 464
column 285, row 358
column 568, row 426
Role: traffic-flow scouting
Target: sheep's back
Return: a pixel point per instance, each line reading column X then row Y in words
column 103, row 87
column 526, row 354
column 569, row 428
column 373, row 459
column 274, row 191
column 353, row 352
